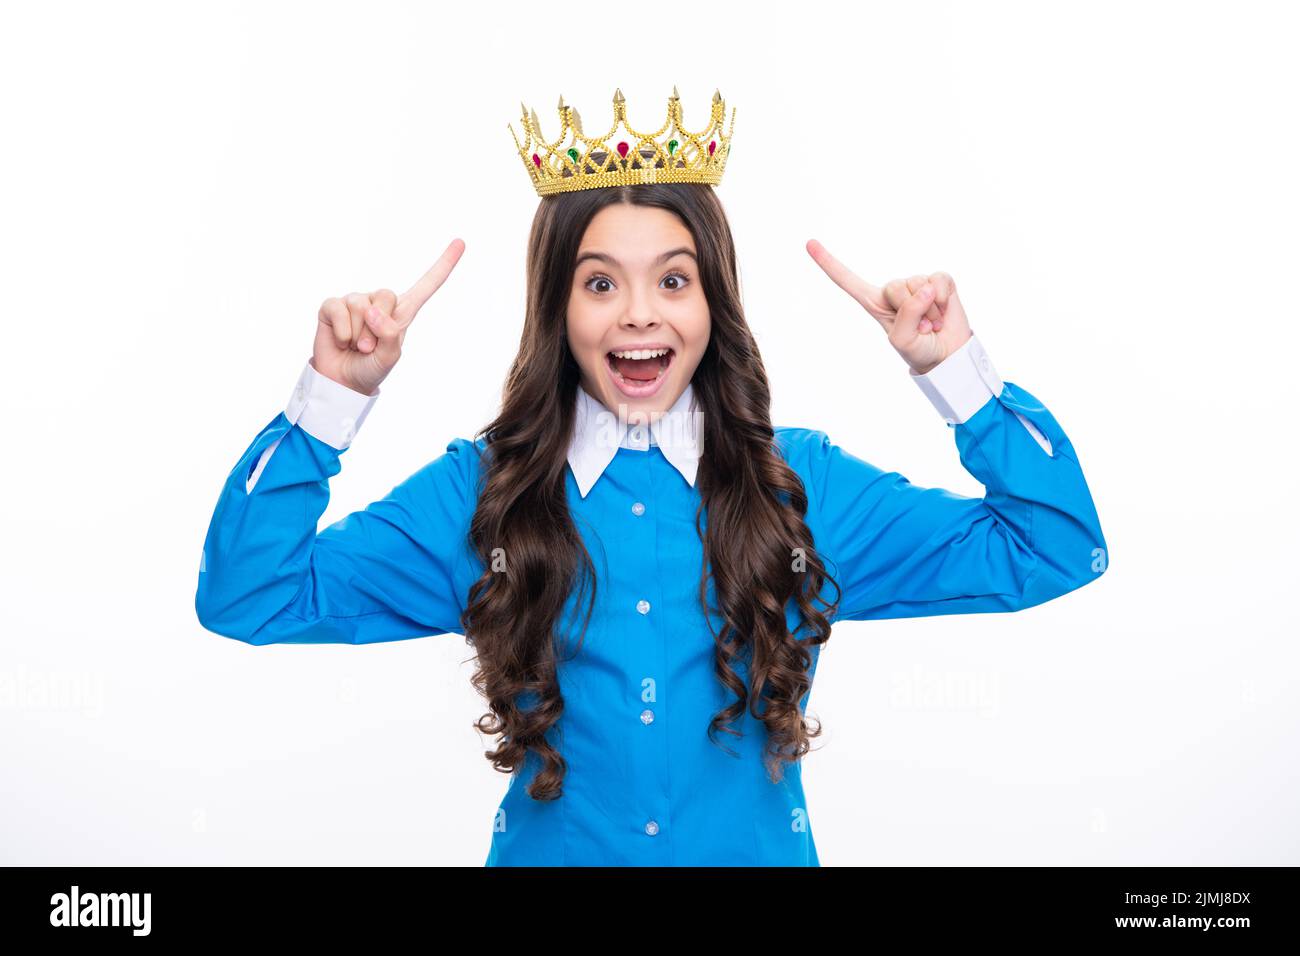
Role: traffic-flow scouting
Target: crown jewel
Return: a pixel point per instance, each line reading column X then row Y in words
column 671, row 154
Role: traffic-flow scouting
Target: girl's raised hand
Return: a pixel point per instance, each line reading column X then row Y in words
column 359, row 337
column 922, row 315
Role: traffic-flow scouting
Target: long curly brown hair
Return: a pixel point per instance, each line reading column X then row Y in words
column 755, row 505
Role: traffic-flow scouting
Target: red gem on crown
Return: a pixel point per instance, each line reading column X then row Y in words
column 622, row 149
column 712, row 144
column 537, row 161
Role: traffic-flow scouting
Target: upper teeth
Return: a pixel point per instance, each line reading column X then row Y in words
column 640, row 353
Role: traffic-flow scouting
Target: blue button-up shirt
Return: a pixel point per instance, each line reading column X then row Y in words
column 644, row 784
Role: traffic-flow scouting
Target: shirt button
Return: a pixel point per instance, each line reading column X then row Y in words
column 652, row 828
column 638, row 509
column 643, row 607
column 647, row 716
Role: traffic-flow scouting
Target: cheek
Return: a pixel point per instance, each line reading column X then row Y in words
column 696, row 327
column 583, row 327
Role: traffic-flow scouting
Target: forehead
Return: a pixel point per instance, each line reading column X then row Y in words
column 634, row 234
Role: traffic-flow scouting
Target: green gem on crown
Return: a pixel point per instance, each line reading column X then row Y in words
column 573, row 154
column 672, row 146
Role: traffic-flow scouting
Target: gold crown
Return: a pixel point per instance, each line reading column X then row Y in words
column 670, row 154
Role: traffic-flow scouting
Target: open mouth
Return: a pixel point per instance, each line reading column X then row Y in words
column 639, row 372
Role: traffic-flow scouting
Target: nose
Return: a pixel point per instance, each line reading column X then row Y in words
column 639, row 315
column 630, row 321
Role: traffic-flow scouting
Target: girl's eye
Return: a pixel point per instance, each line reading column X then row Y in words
column 679, row 282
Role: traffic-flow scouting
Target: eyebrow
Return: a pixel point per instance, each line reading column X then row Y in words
column 610, row 260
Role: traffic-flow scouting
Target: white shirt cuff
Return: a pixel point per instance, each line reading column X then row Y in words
column 327, row 410
column 961, row 384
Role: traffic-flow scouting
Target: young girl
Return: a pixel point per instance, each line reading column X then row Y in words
column 645, row 566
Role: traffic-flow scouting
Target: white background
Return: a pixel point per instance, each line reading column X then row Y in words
column 1111, row 184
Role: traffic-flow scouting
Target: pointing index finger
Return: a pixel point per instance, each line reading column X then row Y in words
column 413, row 299
column 867, row 295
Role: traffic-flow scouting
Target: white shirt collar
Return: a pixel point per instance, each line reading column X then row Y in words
column 598, row 434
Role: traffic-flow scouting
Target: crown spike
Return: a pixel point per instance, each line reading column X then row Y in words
column 717, row 96
column 561, row 106
column 618, row 95
column 537, row 125
column 576, row 119
column 675, row 96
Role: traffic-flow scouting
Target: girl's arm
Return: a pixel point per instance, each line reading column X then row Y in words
column 386, row 573
column 899, row 550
